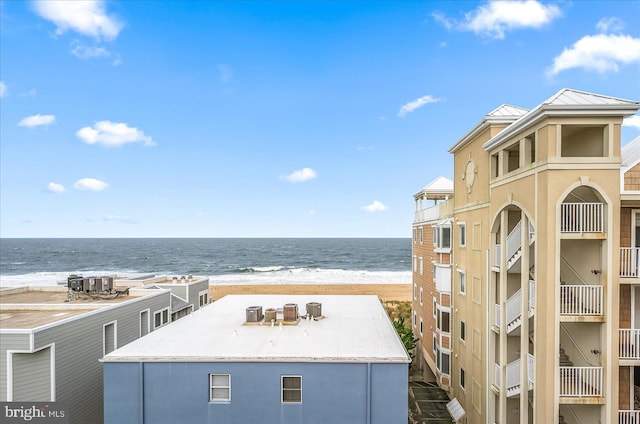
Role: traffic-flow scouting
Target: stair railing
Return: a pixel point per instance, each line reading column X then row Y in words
column 573, row 271
column 577, row 347
column 514, row 241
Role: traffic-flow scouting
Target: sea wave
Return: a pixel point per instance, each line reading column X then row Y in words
column 264, row 276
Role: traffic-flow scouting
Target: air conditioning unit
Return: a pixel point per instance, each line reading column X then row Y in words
column 314, row 309
column 107, row 283
column 290, row 312
column 254, row 314
column 75, row 283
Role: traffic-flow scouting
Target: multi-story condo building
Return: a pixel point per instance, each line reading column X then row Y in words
column 535, row 266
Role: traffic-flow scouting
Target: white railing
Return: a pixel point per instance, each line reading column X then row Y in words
column 580, row 381
column 531, row 368
column 428, row 214
column 497, row 315
column 532, row 295
column 513, row 374
column 582, row 218
column 580, row 300
column 514, row 240
column 628, row 417
column 629, row 261
column 496, row 375
column 514, row 308
column 629, row 343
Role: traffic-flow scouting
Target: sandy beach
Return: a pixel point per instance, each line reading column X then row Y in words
column 386, row 292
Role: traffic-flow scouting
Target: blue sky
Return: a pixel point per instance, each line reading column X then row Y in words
column 272, row 119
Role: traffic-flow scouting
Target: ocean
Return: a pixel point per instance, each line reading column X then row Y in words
column 224, row 261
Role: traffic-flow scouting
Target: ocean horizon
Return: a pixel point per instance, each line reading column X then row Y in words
column 246, row 260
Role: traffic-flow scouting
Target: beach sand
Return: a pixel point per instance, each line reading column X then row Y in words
column 386, row 292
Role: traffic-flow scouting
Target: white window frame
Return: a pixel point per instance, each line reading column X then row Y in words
column 435, row 307
column 439, row 320
column 415, row 319
column 415, row 235
column 415, row 263
column 462, row 282
column 421, row 265
column 462, row 379
column 421, row 326
column 205, row 294
column 462, row 332
column 212, row 387
column 282, row 389
column 438, row 237
column 421, row 296
column 421, row 235
column 104, row 336
column 161, row 313
column 462, row 237
column 415, row 291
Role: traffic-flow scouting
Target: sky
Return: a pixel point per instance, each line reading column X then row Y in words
column 272, row 119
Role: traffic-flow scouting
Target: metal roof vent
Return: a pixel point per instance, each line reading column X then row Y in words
column 314, row 309
column 254, row 314
column 290, row 312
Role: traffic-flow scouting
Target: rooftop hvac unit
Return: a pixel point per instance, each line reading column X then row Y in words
column 314, row 309
column 270, row 315
column 106, row 283
column 254, row 314
column 92, row 284
column 75, row 283
column 290, row 312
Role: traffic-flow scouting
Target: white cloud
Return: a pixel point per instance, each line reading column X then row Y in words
column 113, row 134
column 90, row 184
column 56, row 188
column 84, row 17
column 304, row 174
column 415, row 104
column 610, row 25
column 497, row 16
column 632, row 121
column 376, row 206
column 37, row 120
column 81, row 51
column 3, row 89
column 600, row 53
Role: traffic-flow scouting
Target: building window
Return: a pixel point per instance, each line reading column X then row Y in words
column 442, row 237
column 203, row 298
column 220, row 387
column 443, row 321
column 445, row 363
column 161, row 318
column 415, row 235
column 462, row 378
column 415, row 291
column 435, row 307
column 421, row 326
column 435, row 343
column 415, row 319
column 463, row 331
column 415, row 263
column 109, row 337
column 462, row 282
column 463, row 234
column 421, row 265
column 421, row 235
column 421, row 296
column 291, row 388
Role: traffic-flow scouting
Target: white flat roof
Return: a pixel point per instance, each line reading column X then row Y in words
column 353, row 329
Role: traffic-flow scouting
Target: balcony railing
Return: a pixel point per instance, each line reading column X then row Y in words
column 513, row 381
column 428, row 214
column 581, row 381
column 629, row 257
column 496, row 375
column 496, row 315
column 580, row 299
column 496, row 259
column 582, row 218
column 629, row 344
column 628, row 417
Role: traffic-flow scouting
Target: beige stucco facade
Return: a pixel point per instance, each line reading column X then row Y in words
column 543, row 238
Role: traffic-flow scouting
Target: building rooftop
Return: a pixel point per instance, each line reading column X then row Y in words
column 351, row 329
column 31, row 307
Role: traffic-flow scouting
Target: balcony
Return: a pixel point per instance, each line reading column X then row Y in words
column 512, row 381
column 629, row 262
column 629, row 344
column 581, row 381
column 428, row 214
column 514, row 308
column 581, row 300
column 582, row 218
column 628, row 417
column 442, row 277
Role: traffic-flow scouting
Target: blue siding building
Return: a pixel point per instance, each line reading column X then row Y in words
column 223, row 365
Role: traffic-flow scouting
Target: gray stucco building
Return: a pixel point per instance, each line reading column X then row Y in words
column 230, row 364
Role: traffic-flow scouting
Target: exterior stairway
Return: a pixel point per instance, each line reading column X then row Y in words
column 564, row 359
